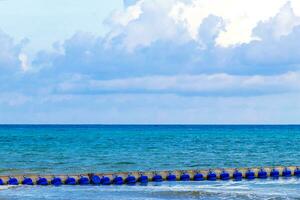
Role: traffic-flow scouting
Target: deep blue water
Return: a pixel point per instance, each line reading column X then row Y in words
column 97, row 148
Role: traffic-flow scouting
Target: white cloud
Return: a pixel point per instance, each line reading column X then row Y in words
column 149, row 20
column 207, row 85
column 24, row 62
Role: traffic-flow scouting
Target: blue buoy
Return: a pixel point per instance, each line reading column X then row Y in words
column 12, row 181
column 83, row 180
column 250, row 175
column 185, row 177
column 27, row 181
column 118, row 180
column 56, row 181
column 42, row 181
column 224, row 175
column 262, row 174
column 95, row 180
column 297, row 172
column 157, row 178
column 237, row 175
column 130, row 180
column 143, row 179
column 198, row 177
column 274, row 173
column 105, row 180
column 1, row 182
column 70, row 181
column 211, row 176
column 171, row 177
column 286, row 172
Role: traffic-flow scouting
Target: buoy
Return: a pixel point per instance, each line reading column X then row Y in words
column 157, row 178
column 262, row 174
column 224, row 175
column 56, row 181
column 185, row 177
column 211, row 176
column 118, row 180
column 95, row 180
column 42, row 181
column 274, row 173
column 105, row 180
column 297, row 172
column 83, row 180
column 237, row 175
column 27, row 181
column 250, row 175
column 171, row 177
column 143, row 179
column 12, row 181
column 198, row 177
column 70, row 181
column 286, row 172
column 130, row 180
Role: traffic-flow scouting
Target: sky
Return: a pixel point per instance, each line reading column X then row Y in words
column 150, row 61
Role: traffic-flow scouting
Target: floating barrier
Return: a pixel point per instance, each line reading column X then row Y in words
column 185, row 177
column 27, row 181
column 83, row 180
column 118, row 180
column 56, row 181
column 171, row 177
column 274, row 173
column 224, row 175
column 237, row 175
column 211, row 176
column 157, row 178
column 144, row 177
column 70, row 181
column 286, row 172
column 130, row 180
column 105, row 180
column 42, row 181
column 95, row 180
column 262, row 174
column 198, row 177
column 297, row 172
column 250, row 175
column 12, row 181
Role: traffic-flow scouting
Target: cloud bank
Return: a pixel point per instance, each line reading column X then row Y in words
column 174, row 49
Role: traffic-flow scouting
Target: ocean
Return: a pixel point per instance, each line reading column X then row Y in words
column 69, row 149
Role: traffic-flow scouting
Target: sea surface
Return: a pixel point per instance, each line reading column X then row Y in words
column 69, row 149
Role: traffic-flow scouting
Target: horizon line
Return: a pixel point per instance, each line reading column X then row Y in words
column 145, row 124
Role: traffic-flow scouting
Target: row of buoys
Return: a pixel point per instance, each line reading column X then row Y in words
column 94, row 179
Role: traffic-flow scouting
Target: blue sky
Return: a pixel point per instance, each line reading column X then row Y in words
column 150, row 61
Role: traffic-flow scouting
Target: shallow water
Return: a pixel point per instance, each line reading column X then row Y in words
column 257, row 189
column 84, row 149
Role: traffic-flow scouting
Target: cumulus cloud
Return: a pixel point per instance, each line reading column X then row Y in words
column 9, row 53
column 24, row 61
column 175, row 46
column 179, row 61
column 154, row 43
column 148, row 20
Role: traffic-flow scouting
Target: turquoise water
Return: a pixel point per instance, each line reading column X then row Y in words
column 84, row 149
